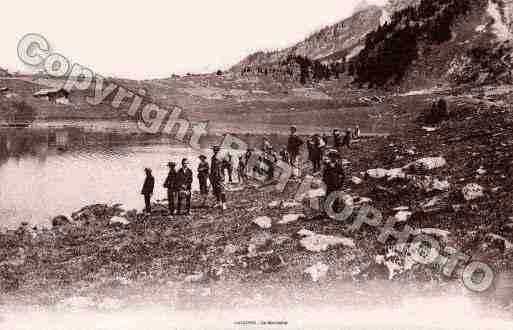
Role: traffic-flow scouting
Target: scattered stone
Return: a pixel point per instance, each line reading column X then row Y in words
column 317, row 271
column 377, row 173
column 443, row 234
column 429, row 129
column 318, row 242
column 356, row 180
column 429, row 184
column 291, row 204
column 263, row 222
column 119, row 220
column 288, row 218
column 261, row 240
column 315, row 193
column 274, row 204
column 401, row 208
column 230, row 249
column 305, row 232
column 427, row 164
column 472, row 191
column 198, row 277
column 403, row 216
column 481, row 171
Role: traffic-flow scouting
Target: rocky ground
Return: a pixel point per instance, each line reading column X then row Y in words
column 450, row 179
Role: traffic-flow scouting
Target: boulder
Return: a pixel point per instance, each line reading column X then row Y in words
column 230, row 249
column 356, row 180
column 380, row 173
column 274, row 204
column 194, row 278
column 118, row 220
column 318, row 242
column 428, row 183
column 291, row 204
column 317, row 271
column 472, row 191
column 288, row 218
column 305, row 232
column 261, row 240
column 263, row 222
column 443, row 234
column 427, row 164
column 60, row 221
column 403, row 216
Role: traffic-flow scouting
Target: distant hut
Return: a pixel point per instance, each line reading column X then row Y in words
column 55, row 95
column 4, row 73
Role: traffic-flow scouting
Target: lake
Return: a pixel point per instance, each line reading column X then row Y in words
column 47, row 172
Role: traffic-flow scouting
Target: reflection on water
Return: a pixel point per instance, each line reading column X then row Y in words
column 44, row 173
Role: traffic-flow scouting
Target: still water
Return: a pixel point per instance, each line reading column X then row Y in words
column 44, row 173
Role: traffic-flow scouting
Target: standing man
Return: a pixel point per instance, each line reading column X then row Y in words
column 216, row 179
column 171, row 185
column 347, row 139
column 333, row 176
column 293, row 145
column 337, row 139
column 184, row 185
column 241, row 170
column 316, row 153
column 228, row 165
column 147, row 189
column 203, row 173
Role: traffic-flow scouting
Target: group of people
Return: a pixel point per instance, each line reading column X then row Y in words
column 179, row 183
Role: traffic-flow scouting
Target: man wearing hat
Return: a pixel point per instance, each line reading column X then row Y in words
column 171, row 185
column 203, row 173
column 216, row 178
column 184, row 178
column 293, row 145
column 147, row 189
column 347, row 138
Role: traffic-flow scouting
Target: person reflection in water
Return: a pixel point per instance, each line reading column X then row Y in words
column 147, row 189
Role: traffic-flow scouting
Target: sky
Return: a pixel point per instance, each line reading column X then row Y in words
column 156, row 38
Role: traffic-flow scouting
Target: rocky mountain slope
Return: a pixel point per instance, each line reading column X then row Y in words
column 343, row 39
column 412, row 43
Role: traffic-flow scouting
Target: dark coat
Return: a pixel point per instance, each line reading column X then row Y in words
column 293, row 144
column 333, row 176
column 216, row 171
column 148, row 185
column 337, row 141
column 347, row 140
column 316, row 152
column 184, row 179
column 171, row 180
column 203, row 170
